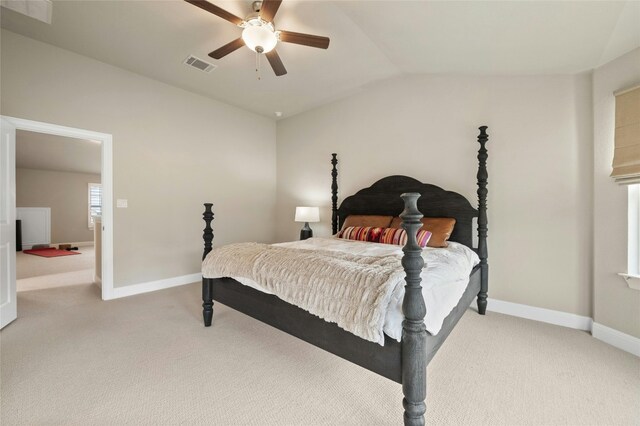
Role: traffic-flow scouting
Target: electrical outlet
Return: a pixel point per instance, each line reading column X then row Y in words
column 121, row 203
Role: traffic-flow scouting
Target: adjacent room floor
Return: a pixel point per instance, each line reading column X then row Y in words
column 70, row 358
column 35, row 272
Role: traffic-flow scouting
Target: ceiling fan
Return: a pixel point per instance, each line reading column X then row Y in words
column 259, row 33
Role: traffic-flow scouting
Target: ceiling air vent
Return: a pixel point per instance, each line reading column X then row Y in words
column 200, row 64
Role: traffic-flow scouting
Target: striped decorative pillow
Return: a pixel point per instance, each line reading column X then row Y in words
column 398, row 236
column 361, row 233
column 423, row 237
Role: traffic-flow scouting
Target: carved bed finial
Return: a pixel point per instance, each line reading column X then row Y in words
column 207, row 236
column 483, row 176
column 334, row 194
column 414, row 334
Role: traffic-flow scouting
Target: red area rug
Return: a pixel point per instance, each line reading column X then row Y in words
column 50, row 252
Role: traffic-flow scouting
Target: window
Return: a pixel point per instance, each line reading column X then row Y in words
column 95, row 202
column 626, row 171
column 626, row 153
column 633, row 263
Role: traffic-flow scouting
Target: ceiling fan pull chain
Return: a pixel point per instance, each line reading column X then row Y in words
column 258, row 64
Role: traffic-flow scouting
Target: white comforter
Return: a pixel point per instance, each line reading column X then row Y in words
column 444, row 279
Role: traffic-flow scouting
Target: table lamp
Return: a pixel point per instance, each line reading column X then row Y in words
column 306, row 215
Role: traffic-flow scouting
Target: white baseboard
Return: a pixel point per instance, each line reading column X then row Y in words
column 147, row 287
column 540, row 314
column 608, row 335
column 616, row 338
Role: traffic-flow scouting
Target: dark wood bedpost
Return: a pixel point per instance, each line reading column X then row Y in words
column 334, row 194
column 483, row 176
column 207, row 284
column 414, row 333
column 207, row 235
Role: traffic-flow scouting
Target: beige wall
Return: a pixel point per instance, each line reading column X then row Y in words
column 172, row 151
column 615, row 304
column 540, row 168
column 67, row 196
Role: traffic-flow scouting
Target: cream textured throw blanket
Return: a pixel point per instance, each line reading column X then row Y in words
column 352, row 291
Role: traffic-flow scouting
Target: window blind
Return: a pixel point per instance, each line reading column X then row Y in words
column 95, row 201
column 626, row 157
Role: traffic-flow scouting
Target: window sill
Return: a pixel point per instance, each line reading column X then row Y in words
column 633, row 281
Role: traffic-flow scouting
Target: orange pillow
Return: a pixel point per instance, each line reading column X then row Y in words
column 440, row 228
column 367, row 220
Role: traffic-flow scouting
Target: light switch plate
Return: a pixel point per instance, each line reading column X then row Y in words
column 121, row 203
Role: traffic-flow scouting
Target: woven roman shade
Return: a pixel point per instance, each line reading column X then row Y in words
column 626, row 157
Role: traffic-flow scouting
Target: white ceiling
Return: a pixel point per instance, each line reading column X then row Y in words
column 370, row 41
column 57, row 153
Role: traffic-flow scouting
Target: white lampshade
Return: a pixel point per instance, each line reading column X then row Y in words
column 307, row 214
column 259, row 35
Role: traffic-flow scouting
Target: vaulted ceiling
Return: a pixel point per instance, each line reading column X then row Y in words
column 370, row 41
column 41, row 151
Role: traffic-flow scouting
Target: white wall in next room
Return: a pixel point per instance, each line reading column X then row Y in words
column 65, row 193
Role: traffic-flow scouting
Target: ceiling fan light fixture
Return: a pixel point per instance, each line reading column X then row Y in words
column 259, row 33
column 259, row 36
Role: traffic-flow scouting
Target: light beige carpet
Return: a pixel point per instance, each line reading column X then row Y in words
column 36, row 272
column 73, row 359
column 29, row 265
column 63, row 279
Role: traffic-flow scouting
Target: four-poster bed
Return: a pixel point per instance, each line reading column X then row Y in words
column 404, row 362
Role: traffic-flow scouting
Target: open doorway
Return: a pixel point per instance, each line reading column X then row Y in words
column 58, row 211
column 9, row 126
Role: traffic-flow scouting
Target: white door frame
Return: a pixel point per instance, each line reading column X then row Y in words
column 106, row 142
column 8, row 302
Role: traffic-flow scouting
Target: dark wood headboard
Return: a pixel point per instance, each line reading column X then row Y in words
column 383, row 198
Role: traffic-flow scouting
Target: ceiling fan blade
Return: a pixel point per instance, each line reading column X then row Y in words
column 268, row 9
column 227, row 48
column 218, row 11
column 276, row 63
column 304, row 39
